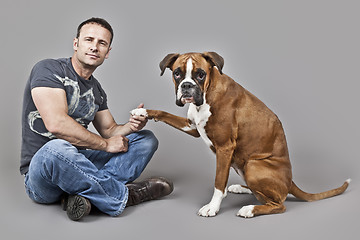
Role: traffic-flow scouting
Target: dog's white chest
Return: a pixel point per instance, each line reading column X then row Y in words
column 199, row 116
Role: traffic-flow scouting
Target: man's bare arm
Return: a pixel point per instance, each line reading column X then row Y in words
column 52, row 106
column 107, row 127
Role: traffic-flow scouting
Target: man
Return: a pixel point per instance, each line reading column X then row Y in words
column 60, row 158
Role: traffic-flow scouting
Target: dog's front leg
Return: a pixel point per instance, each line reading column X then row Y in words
column 213, row 207
column 223, row 162
column 181, row 123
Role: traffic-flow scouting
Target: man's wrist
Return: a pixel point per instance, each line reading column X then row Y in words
column 127, row 129
column 103, row 144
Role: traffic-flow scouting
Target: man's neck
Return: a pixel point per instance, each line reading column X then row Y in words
column 80, row 69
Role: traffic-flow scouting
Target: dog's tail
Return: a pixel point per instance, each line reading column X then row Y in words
column 297, row 192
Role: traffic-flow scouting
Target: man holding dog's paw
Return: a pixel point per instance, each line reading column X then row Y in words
column 60, row 158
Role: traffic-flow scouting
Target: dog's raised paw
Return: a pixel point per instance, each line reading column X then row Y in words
column 246, row 211
column 139, row 112
column 237, row 188
column 208, row 211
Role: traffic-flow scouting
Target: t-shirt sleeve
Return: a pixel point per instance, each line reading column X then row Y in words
column 46, row 73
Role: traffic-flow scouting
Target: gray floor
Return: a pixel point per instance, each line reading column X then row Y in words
column 174, row 217
column 300, row 57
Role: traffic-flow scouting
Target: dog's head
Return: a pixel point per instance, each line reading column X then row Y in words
column 191, row 74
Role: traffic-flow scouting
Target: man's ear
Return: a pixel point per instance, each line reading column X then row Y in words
column 108, row 53
column 167, row 62
column 214, row 59
column 75, row 44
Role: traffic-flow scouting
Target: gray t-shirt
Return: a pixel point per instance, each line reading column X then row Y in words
column 84, row 99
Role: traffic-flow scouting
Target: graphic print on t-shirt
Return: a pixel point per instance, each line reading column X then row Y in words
column 81, row 107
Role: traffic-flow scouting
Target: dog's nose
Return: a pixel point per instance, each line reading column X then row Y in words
column 186, row 86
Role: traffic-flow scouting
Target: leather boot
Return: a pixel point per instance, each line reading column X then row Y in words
column 149, row 189
column 76, row 206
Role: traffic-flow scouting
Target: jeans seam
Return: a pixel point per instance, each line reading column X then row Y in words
column 35, row 197
column 123, row 203
column 64, row 158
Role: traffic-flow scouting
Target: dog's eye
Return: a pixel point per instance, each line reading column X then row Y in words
column 177, row 74
column 201, row 76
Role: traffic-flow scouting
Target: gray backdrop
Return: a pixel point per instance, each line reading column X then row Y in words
column 300, row 57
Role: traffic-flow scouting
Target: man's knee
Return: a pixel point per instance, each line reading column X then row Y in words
column 47, row 156
column 57, row 144
column 149, row 139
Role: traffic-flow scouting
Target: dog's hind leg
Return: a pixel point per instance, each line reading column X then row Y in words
column 272, row 203
column 241, row 189
column 269, row 184
column 254, row 210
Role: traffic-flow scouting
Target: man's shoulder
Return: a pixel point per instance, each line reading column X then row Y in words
column 47, row 73
column 52, row 63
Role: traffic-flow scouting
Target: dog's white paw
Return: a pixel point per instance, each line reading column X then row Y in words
column 246, row 211
column 237, row 188
column 139, row 112
column 208, row 211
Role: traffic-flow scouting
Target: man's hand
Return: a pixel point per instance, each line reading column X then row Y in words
column 137, row 122
column 117, row 144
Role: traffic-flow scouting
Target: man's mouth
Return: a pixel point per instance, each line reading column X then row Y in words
column 92, row 55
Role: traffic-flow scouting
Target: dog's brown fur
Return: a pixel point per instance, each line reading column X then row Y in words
column 245, row 135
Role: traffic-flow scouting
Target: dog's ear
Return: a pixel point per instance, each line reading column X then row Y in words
column 168, row 61
column 215, row 60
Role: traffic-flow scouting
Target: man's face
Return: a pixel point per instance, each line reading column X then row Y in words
column 93, row 45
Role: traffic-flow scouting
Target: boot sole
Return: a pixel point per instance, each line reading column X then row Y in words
column 77, row 207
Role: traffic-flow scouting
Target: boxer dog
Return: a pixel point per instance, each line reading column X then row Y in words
column 240, row 129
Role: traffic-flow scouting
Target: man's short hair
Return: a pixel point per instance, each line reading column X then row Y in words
column 99, row 21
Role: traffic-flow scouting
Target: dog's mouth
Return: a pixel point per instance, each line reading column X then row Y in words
column 187, row 99
column 197, row 100
column 191, row 95
column 184, row 99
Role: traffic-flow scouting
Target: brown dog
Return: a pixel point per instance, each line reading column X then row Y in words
column 239, row 129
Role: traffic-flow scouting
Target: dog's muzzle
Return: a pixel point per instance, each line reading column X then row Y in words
column 189, row 93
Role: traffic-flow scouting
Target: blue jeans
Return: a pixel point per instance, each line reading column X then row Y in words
column 99, row 176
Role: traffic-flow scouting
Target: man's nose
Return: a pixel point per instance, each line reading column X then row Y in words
column 94, row 47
